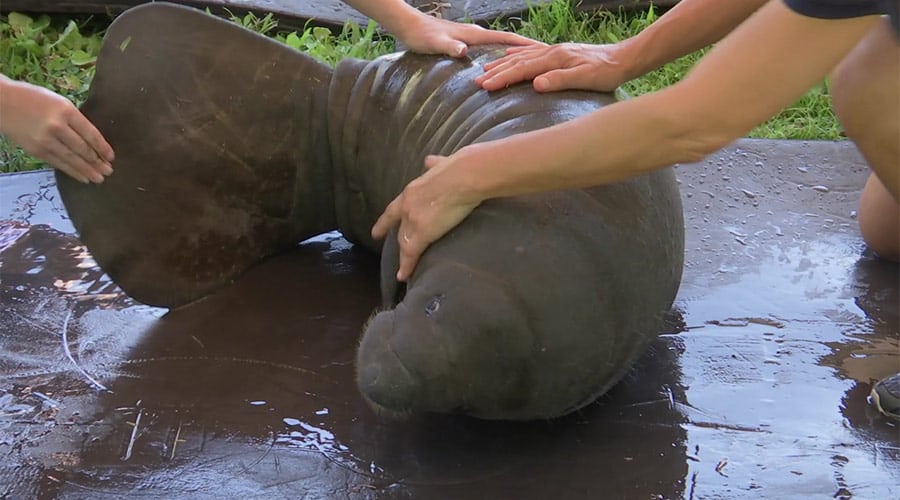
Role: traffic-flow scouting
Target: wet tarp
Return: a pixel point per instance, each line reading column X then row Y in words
column 295, row 13
column 756, row 389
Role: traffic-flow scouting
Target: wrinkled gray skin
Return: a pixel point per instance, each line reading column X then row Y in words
column 231, row 147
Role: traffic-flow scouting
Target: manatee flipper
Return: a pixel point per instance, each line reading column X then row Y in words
column 221, row 153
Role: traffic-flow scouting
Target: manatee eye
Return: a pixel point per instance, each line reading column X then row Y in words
column 433, row 305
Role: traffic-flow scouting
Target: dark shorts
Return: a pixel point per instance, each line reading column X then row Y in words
column 841, row 9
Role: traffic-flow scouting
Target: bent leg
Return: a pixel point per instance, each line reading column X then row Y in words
column 879, row 219
column 865, row 89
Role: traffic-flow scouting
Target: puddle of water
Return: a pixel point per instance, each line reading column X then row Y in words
column 757, row 390
column 251, row 390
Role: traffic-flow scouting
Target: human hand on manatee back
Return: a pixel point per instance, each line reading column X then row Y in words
column 563, row 66
column 50, row 127
column 429, row 35
column 427, row 208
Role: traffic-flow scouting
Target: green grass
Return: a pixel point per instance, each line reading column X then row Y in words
column 59, row 53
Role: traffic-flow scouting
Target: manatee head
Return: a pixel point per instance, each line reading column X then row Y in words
column 458, row 342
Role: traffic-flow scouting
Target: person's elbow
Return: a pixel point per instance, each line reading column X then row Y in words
column 699, row 142
column 690, row 141
column 697, row 128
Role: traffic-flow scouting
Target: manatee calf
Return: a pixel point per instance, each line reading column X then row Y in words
column 231, row 147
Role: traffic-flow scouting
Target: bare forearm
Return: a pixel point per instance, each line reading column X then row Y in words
column 6, row 87
column 391, row 14
column 686, row 28
column 620, row 141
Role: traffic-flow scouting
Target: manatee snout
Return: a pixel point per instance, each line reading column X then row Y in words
column 457, row 343
column 381, row 374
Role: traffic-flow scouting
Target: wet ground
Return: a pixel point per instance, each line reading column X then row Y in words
column 756, row 390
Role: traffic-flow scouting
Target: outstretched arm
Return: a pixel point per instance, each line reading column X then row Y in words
column 429, row 35
column 768, row 62
column 50, row 127
column 688, row 27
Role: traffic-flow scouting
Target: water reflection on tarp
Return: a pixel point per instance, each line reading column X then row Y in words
column 251, row 391
column 757, row 388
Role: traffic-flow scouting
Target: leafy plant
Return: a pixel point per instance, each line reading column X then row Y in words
column 352, row 41
column 45, row 53
column 262, row 25
column 321, row 42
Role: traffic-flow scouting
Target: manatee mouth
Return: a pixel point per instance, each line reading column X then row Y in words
column 381, row 375
column 388, row 413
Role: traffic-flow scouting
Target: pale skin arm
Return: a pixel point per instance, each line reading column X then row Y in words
column 429, row 35
column 764, row 65
column 48, row 126
column 686, row 28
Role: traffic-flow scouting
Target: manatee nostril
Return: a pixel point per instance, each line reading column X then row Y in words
column 433, row 305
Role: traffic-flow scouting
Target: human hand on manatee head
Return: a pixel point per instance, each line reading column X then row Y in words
column 429, row 35
column 427, row 208
column 563, row 66
column 48, row 126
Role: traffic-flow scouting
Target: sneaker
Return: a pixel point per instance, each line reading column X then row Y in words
column 886, row 396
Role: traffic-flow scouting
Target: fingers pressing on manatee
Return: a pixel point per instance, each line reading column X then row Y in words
column 552, row 68
column 430, row 35
column 427, row 208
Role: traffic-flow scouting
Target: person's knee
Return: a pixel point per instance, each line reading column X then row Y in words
column 879, row 220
